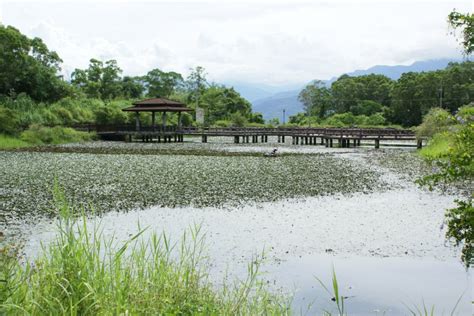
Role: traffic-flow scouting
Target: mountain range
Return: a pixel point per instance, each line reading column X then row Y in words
column 271, row 101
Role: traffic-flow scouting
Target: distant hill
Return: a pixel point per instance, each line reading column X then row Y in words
column 271, row 106
column 274, row 105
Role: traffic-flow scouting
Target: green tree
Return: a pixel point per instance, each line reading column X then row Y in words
column 220, row 103
column 196, row 84
column 316, row 98
column 465, row 22
column 132, row 87
column 28, row 66
column 457, row 164
column 99, row 80
column 348, row 91
column 162, row 84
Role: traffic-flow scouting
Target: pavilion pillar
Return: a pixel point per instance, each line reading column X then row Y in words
column 163, row 123
column 153, row 125
column 137, row 121
column 179, row 120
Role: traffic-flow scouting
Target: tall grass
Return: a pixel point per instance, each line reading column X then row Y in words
column 10, row 142
column 438, row 146
column 84, row 273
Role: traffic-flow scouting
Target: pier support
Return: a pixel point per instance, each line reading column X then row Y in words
column 204, row 138
column 419, row 143
column 377, row 143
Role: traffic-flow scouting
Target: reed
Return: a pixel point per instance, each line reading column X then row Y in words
column 84, row 273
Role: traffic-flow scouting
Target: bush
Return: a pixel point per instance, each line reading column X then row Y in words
column 375, row 119
column 367, row 108
column 340, row 120
column 222, row 123
column 107, row 114
column 238, row 119
column 39, row 135
column 9, row 122
column 10, row 142
column 435, row 121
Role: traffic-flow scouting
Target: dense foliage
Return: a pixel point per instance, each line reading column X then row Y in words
column 453, row 157
column 33, row 92
column 404, row 101
column 466, row 23
column 26, row 65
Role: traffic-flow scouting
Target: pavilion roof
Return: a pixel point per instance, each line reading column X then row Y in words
column 158, row 105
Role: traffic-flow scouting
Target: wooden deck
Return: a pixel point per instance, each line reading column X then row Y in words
column 345, row 137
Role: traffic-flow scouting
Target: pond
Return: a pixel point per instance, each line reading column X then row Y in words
column 312, row 209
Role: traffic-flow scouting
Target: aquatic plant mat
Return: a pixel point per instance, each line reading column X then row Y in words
column 124, row 182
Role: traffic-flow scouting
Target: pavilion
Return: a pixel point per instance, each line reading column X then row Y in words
column 157, row 105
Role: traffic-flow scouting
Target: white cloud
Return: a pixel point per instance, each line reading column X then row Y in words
column 272, row 42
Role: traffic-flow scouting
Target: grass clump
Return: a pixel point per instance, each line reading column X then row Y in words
column 83, row 273
column 10, row 142
column 438, row 145
column 39, row 135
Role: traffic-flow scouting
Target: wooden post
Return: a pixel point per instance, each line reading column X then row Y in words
column 322, row 140
column 419, row 143
column 163, row 121
column 377, row 143
column 358, row 142
column 354, row 142
column 153, row 120
column 283, row 139
column 279, row 139
column 327, row 142
column 179, row 121
column 137, row 121
column 204, row 138
column 330, row 142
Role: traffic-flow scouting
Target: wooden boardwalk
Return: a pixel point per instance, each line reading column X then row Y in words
column 345, row 137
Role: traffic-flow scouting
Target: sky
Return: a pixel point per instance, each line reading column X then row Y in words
column 267, row 42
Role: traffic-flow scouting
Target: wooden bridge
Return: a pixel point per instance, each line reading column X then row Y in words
column 345, row 137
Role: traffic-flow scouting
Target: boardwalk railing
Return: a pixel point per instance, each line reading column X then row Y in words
column 299, row 135
column 243, row 131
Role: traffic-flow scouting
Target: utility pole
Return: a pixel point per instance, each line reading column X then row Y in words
column 441, row 97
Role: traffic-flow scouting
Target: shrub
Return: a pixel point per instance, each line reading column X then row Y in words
column 367, row 107
column 222, row 123
column 9, row 142
column 238, row 119
column 375, row 119
column 106, row 114
column 9, row 122
column 38, row 135
column 435, row 121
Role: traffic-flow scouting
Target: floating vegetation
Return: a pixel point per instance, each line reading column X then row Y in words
column 124, row 182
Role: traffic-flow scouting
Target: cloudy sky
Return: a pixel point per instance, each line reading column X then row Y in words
column 268, row 42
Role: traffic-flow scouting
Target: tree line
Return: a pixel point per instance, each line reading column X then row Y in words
column 404, row 101
column 32, row 91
